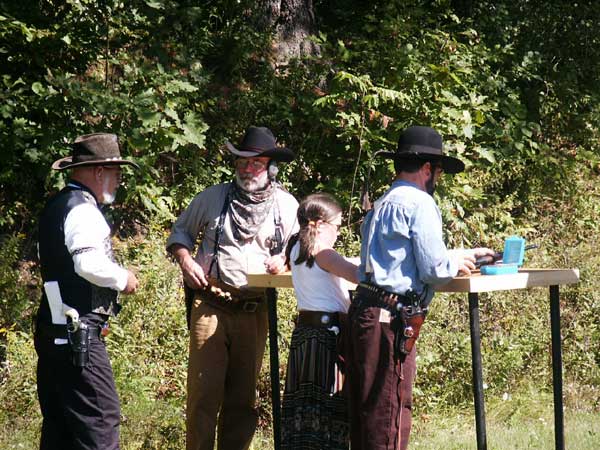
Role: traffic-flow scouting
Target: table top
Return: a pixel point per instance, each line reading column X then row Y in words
column 476, row 282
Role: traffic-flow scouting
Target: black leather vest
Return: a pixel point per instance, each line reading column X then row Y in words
column 57, row 264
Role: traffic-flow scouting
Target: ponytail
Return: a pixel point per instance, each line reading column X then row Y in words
column 314, row 208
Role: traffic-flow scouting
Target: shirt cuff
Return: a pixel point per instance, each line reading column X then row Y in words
column 122, row 276
column 179, row 239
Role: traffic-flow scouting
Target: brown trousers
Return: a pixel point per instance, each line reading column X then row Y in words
column 380, row 389
column 226, row 352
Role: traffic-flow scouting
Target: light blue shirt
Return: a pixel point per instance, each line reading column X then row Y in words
column 402, row 245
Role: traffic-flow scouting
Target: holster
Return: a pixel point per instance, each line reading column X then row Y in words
column 407, row 326
column 188, row 295
column 79, row 340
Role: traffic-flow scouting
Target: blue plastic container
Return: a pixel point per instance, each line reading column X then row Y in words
column 512, row 257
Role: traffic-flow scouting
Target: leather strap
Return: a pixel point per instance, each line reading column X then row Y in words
column 232, row 304
column 53, row 331
column 318, row 319
column 371, row 295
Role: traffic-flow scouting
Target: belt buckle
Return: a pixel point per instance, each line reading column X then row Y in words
column 250, row 307
column 325, row 319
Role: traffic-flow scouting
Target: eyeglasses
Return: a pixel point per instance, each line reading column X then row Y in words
column 255, row 164
column 117, row 169
column 336, row 225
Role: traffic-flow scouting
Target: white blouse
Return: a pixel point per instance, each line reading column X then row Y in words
column 317, row 289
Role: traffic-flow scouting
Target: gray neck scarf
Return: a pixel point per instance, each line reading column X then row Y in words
column 248, row 210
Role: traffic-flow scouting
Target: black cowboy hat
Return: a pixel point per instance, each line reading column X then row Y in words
column 259, row 141
column 97, row 149
column 418, row 142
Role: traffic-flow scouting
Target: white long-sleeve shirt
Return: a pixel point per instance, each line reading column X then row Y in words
column 86, row 236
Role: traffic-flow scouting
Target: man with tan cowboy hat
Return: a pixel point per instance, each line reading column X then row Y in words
column 403, row 257
column 245, row 225
column 76, row 388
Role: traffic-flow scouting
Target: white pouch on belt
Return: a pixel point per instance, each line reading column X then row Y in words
column 57, row 307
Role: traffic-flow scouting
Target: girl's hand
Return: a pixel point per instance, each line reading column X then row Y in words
column 275, row 264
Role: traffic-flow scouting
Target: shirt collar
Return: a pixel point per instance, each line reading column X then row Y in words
column 82, row 187
column 398, row 183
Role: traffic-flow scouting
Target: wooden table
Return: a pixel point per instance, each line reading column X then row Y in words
column 472, row 285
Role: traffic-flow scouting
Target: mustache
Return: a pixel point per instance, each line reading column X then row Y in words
column 251, row 183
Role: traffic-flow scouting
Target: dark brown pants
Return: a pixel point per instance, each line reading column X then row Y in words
column 380, row 388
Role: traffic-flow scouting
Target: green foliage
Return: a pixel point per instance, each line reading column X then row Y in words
column 16, row 285
column 112, row 74
column 176, row 80
column 448, row 76
column 18, row 392
column 512, row 86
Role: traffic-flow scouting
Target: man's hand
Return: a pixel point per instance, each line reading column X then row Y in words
column 275, row 264
column 132, row 283
column 467, row 257
column 466, row 263
column 481, row 251
column 193, row 275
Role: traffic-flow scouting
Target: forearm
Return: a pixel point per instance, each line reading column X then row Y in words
column 349, row 272
column 95, row 267
column 181, row 253
column 436, row 264
column 334, row 263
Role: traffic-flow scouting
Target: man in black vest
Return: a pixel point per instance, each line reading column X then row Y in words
column 76, row 388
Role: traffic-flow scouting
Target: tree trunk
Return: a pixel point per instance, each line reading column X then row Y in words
column 293, row 21
column 463, row 8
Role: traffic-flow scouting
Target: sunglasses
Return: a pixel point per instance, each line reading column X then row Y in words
column 253, row 163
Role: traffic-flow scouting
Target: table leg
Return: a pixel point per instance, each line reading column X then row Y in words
column 557, row 381
column 274, row 363
column 477, row 371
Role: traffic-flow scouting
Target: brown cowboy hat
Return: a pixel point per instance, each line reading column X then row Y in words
column 418, row 142
column 97, row 149
column 259, row 141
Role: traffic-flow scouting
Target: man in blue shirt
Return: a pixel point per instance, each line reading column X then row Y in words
column 403, row 256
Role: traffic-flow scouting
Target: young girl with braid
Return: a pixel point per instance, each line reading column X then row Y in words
column 314, row 411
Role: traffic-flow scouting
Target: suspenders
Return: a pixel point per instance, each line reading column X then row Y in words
column 276, row 241
column 219, row 232
column 275, row 244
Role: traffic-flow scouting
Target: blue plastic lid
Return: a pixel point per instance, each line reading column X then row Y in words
column 514, row 250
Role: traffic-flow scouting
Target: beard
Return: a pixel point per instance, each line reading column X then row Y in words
column 107, row 197
column 250, row 183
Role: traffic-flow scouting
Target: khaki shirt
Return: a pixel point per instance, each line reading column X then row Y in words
column 236, row 259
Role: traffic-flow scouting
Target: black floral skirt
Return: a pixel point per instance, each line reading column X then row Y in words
column 314, row 409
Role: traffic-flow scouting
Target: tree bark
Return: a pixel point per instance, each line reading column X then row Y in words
column 292, row 21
